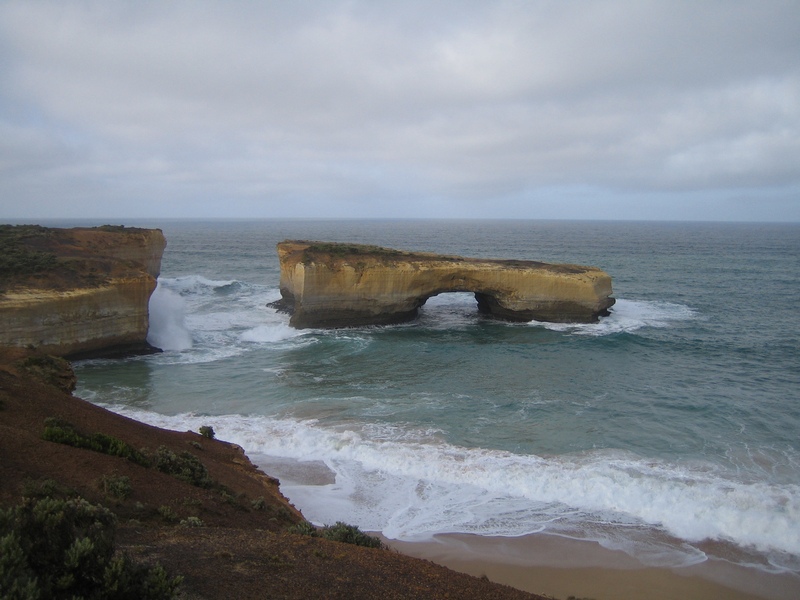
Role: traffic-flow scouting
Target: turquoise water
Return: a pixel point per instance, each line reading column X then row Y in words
column 669, row 424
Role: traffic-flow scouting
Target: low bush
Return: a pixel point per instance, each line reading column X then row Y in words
column 184, row 466
column 166, row 513
column 50, row 370
column 115, row 486
column 192, row 522
column 63, row 432
column 207, row 432
column 339, row 532
column 16, row 257
column 21, row 261
column 45, row 488
column 304, row 528
column 350, row 534
column 64, row 549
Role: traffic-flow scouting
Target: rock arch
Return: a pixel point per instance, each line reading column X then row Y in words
column 343, row 285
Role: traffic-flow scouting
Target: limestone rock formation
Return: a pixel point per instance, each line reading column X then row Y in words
column 339, row 285
column 74, row 292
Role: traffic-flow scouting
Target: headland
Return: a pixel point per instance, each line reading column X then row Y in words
column 77, row 292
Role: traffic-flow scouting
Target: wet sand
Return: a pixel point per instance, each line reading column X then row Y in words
column 560, row 567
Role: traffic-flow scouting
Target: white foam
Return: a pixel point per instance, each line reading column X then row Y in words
column 408, row 484
column 269, row 333
column 628, row 316
column 194, row 283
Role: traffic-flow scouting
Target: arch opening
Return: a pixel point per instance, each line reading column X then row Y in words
column 448, row 310
column 464, row 303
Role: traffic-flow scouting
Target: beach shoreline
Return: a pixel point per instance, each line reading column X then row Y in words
column 561, row 567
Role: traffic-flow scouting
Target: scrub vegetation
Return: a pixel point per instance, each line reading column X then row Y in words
column 340, row 532
column 17, row 257
column 64, row 549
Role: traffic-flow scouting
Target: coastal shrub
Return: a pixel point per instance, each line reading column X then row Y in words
column 259, row 503
column 64, row 549
column 227, row 497
column 339, row 532
column 350, row 534
column 192, row 522
column 304, row 528
column 185, row 466
column 62, row 432
column 281, row 511
column 51, row 370
column 115, row 486
column 16, row 258
column 45, row 488
column 207, row 431
column 166, row 513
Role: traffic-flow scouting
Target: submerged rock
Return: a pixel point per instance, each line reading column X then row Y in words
column 342, row 285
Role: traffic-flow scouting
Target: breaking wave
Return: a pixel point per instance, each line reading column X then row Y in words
column 411, row 485
column 628, row 316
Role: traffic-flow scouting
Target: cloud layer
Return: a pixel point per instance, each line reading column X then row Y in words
column 529, row 109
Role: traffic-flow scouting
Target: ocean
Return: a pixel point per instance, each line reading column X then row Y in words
column 669, row 430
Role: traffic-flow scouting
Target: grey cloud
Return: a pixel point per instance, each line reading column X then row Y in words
column 368, row 104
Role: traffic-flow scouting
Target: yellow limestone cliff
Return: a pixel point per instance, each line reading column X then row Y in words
column 81, row 291
column 342, row 285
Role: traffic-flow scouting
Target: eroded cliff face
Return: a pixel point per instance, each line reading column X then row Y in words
column 82, row 291
column 340, row 285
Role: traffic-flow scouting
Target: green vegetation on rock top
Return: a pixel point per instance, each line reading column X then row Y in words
column 16, row 257
column 342, row 249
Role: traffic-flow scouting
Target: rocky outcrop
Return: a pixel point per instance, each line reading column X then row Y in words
column 340, row 285
column 77, row 292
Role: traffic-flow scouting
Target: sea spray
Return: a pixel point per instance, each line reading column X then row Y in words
column 185, row 316
column 168, row 320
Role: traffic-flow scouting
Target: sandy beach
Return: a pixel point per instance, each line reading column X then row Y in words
column 561, row 567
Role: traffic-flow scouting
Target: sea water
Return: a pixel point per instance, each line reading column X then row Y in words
column 668, row 430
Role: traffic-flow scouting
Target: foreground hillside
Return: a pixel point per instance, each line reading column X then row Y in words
column 194, row 504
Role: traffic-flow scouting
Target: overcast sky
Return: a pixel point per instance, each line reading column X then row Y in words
column 523, row 109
